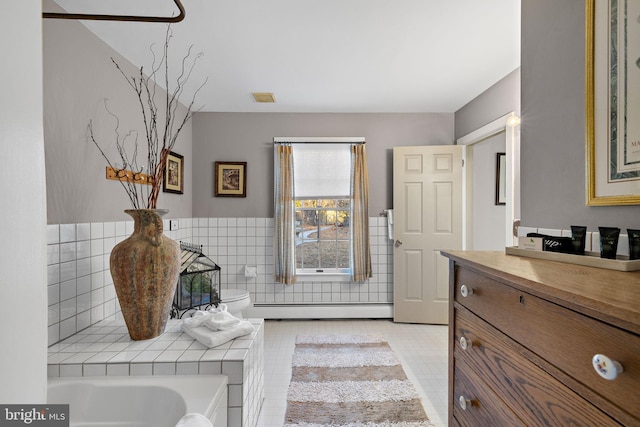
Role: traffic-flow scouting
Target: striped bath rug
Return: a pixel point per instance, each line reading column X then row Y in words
column 350, row 380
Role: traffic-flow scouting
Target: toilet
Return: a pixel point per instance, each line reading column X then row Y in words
column 237, row 301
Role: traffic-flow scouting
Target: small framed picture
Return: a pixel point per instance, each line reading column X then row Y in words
column 501, row 180
column 173, row 174
column 230, row 179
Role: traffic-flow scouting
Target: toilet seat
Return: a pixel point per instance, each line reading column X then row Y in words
column 231, row 295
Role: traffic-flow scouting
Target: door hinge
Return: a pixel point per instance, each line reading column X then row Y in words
column 462, row 162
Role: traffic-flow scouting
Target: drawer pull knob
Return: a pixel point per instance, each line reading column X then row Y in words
column 464, row 403
column 465, row 343
column 606, row 367
column 465, row 291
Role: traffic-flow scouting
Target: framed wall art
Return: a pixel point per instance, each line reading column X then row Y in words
column 612, row 75
column 501, row 179
column 174, row 174
column 230, row 179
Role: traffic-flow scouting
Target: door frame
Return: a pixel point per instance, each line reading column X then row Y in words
column 508, row 124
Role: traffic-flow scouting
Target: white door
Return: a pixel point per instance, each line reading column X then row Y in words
column 427, row 205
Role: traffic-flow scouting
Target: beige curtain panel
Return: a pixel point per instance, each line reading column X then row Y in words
column 361, row 251
column 284, row 221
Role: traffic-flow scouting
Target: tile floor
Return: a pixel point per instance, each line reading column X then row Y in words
column 422, row 350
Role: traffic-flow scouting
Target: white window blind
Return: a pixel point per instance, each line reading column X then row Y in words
column 321, row 170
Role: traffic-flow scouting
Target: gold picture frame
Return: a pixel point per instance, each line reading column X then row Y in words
column 230, row 179
column 612, row 148
column 173, row 181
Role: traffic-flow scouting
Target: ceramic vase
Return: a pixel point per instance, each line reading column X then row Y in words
column 145, row 269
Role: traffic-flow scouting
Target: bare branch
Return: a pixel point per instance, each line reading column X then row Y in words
column 159, row 141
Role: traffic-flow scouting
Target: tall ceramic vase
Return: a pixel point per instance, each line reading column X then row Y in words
column 145, row 269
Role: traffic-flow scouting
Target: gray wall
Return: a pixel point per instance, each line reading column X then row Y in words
column 248, row 137
column 498, row 100
column 552, row 131
column 553, row 120
column 78, row 75
column 488, row 228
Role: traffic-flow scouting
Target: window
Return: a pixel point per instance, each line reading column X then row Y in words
column 321, row 221
column 322, row 174
column 323, row 235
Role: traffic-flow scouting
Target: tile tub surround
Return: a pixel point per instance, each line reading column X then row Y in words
column 81, row 292
column 106, row 349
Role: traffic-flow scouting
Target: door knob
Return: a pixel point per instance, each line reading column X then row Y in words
column 398, row 243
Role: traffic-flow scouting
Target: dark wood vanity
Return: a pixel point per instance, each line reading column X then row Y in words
column 523, row 336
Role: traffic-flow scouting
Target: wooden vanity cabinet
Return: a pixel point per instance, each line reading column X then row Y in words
column 523, row 335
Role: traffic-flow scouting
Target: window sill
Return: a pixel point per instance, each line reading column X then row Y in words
column 323, row 277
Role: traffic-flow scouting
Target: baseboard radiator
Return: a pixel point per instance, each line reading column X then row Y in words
column 320, row 311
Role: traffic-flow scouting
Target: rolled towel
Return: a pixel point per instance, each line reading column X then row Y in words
column 221, row 319
column 194, row 420
column 211, row 338
column 216, row 319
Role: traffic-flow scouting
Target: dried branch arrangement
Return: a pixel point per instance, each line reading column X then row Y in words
column 162, row 124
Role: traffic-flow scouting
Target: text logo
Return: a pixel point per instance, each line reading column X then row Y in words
column 34, row 415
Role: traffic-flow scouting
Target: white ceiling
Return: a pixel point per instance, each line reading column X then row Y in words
column 326, row 55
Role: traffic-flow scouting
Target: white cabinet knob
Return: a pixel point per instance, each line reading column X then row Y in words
column 465, row 343
column 606, row 367
column 465, row 291
column 464, row 403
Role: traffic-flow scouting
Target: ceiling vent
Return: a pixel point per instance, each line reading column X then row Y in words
column 264, row 97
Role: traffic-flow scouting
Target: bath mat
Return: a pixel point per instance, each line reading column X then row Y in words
column 350, row 380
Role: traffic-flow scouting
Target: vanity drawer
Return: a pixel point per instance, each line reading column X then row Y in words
column 535, row 396
column 564, row 338
column 485, row 408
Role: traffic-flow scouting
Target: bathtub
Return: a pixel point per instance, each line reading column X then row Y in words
column 140, row 401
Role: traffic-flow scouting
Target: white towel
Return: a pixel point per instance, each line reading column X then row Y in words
column 390, row 223
column 194, row 420
column 196, row 327
column 216, row 319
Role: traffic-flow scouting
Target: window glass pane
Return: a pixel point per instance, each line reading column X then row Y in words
column 343, row 255
column 343, row 203
column 342, row 219
column 307, row 255
column 327, row 225
column 323, row 234
column 328, row 254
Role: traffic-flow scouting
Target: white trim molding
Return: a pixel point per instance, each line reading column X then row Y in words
column 508, row 124
column 321, row 311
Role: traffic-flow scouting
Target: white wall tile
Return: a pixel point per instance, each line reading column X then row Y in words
column 83, row 231
column 550, row 231
column 230, row 242
column 53, row 233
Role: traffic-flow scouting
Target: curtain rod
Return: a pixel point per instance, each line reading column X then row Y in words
column 127, row 18
column 319, row 140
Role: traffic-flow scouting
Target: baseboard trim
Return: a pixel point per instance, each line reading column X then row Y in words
column 320, row 311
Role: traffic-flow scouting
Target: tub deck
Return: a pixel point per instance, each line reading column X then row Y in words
column 105, row 349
